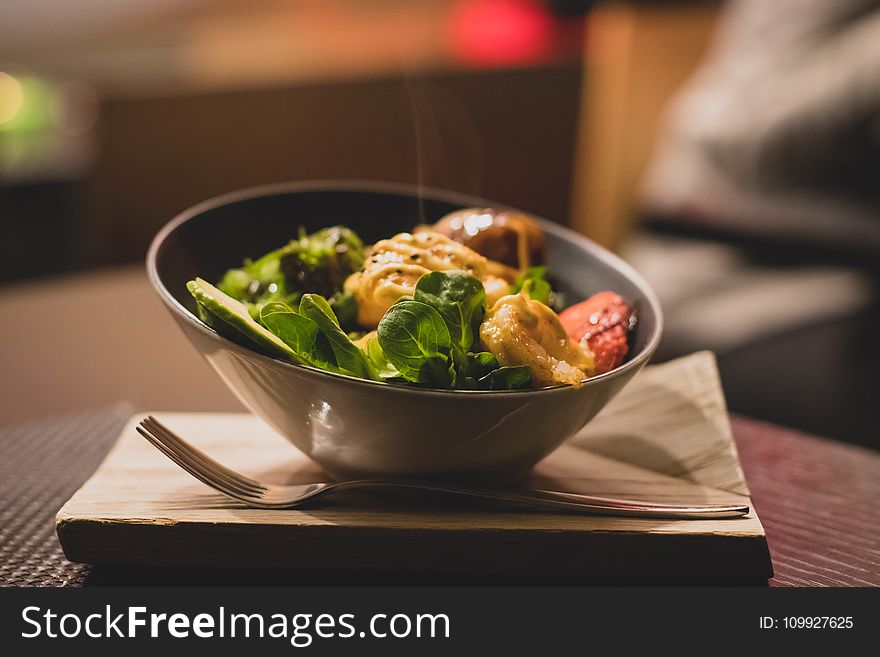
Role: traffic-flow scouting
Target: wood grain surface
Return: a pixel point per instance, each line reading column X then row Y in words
column 665, row 438
column 818, row 502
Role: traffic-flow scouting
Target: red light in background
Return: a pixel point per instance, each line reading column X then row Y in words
column 498, row 32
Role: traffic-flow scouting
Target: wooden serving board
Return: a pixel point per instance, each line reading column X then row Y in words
column 666, row 437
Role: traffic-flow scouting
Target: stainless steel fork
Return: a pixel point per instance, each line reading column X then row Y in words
column 271, row 496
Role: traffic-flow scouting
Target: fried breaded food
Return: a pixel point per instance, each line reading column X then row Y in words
column 521, row 331
column 393, row 267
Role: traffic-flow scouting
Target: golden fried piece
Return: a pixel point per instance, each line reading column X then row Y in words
column 510, row 238
column 521, row 331
column 393, row 267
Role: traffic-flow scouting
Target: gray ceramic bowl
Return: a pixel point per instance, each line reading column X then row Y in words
column 357, row 428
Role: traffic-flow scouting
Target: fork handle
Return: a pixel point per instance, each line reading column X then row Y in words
column 563, row 500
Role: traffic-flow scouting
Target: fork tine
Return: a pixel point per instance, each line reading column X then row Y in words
column 181, row 454
column 180, row 451
column 174, row 441
column 194, row 471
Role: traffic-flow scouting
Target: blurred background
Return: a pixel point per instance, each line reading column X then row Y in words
column 729, row 150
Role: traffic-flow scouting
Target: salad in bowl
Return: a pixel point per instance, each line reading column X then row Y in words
column 392, row 331
column 467, row 303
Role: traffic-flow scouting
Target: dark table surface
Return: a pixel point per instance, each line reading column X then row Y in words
column 816, row 498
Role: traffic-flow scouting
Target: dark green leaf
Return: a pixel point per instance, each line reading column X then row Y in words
column 259, row 281
column 321, row 262
column 506, row 378
column 461, row 301
column 349, row 359
column 300, row 333
column 416, row 341
column 480, row 364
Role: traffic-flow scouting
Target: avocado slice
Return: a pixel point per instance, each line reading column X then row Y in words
column 235, row 314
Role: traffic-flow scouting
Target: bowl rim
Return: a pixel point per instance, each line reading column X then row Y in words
column 418, row 192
